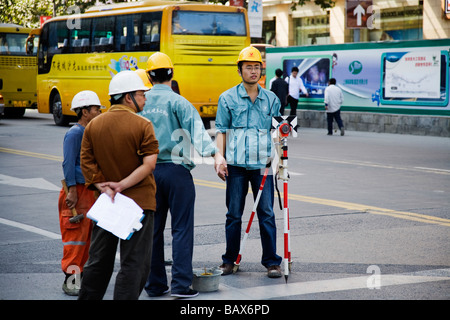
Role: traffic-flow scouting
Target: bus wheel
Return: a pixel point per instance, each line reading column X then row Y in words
column 14, row 113
column 58, row 117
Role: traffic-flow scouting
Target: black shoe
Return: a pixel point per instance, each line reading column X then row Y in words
column 227, row 268
column 188, row 294
column 158, row 294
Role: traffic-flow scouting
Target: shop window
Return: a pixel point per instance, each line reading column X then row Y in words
column 312, row 30
column 404, row 23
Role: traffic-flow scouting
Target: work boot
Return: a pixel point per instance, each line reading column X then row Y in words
column 71, row 289
column 274, row 272
column 227, row 268
column 71, row 285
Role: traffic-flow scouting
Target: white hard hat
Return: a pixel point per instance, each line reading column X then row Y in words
column 126, row 81
column 85, row 99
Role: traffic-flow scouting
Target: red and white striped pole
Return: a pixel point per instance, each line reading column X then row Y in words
column 285, row 126
column 284, row 176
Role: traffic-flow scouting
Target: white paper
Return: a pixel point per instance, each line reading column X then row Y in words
column 121, row 217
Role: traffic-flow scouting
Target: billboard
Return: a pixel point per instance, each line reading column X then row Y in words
column 395, row 77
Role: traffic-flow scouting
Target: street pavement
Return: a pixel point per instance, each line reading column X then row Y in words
column 369, row 219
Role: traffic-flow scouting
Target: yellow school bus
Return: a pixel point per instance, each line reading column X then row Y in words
column 18, row 68
column 79, row 52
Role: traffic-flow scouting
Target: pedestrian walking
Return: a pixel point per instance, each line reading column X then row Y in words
column 281, row 89
column 176, row 118
column 333, row 100
column 74, row 197
column 118, row 154
column 243, row 123
column 296, row 85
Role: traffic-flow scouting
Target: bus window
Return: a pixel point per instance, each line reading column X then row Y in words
column 54, row 40
column 208, row 23
column 127, row 32
column 102, row 34
column 80, row 38
column 13, row 44
column 32, row 43
column 151, row 23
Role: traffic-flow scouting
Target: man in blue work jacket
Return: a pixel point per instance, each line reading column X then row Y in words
column 243, row 124
column 178, row 127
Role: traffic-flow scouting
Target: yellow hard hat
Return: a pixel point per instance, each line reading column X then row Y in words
column 250, row 54
column 159, row 60
column 143, row 74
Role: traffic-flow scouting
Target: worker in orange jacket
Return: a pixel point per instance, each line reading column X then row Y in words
column 75, row 198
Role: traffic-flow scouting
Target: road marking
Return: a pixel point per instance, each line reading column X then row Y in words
column 348, row 206
column 437, row 170
column 333, row 203
column 29, row 228
column 32, row 154
column 374, row 165
column 38, row 183
column 323, row 286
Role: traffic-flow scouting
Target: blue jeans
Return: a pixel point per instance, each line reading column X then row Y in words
column 237, row 188
column 175, row 192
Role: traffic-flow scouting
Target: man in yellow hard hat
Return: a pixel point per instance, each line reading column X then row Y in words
column 243, row 123
column 179, row 129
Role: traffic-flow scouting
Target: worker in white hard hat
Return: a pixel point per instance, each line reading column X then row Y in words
column 180, row 131
column 118, row 154
column 125, row 87
column 76, row 232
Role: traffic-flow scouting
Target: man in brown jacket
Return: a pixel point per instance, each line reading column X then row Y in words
column 118, row 154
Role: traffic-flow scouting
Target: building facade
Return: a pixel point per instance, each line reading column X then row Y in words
column 391, row 20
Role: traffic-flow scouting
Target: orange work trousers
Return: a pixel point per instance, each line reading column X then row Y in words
column 76, row 237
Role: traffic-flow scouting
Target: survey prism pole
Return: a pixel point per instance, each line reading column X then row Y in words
column 252, row 215
column 285, row 177
column 284, row 127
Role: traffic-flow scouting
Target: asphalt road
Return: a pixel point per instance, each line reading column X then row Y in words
column 369, row 219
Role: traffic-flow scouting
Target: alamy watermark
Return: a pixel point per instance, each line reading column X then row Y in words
column 74, row 280
column 374, row 280
column 243, row 147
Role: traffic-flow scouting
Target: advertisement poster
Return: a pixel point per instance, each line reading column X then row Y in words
column 413, row 74
column 373, row 77
column 314, row 72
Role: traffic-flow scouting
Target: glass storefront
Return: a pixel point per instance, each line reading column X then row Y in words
column 312, row 30
column 268, row 33
column 404, row 23
column 395, row 20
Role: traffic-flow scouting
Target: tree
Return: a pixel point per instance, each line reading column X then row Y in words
column 27, row 12
column 324, row 4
